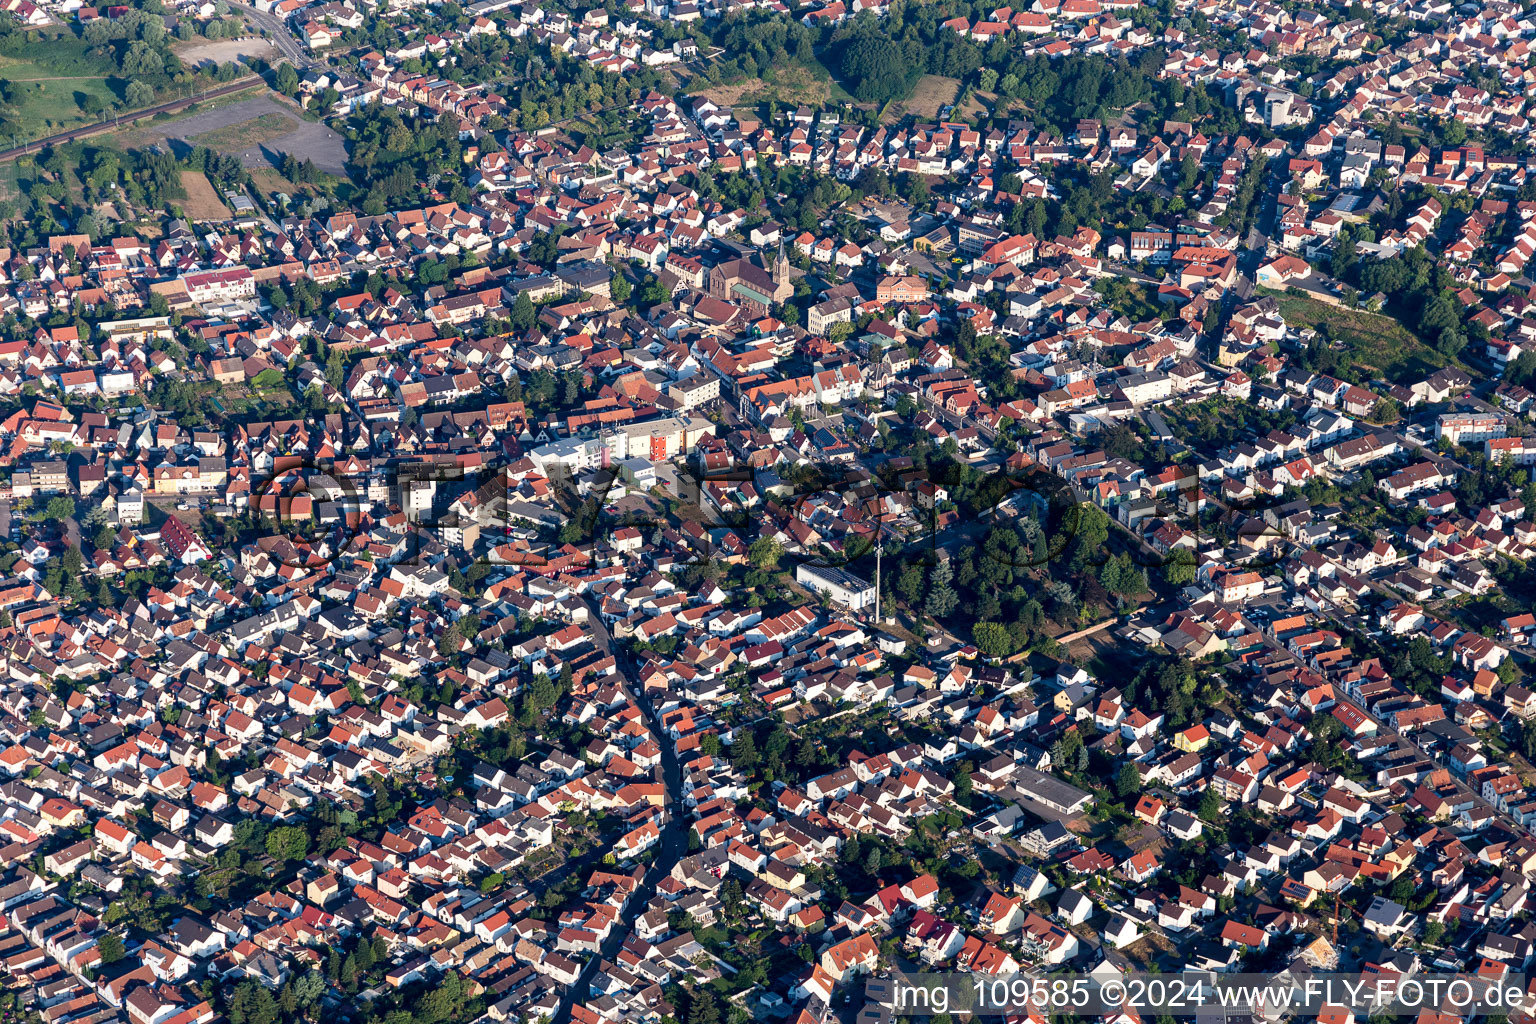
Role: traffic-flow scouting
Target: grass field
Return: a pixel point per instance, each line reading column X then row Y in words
column 56, row 94
column 808, row 83
column 242, row 403
column 976, row 106
column 267, row 180
column 1378, row 343
column 933, row 92
column 254, row 132
column 10, row 176
column 608, row 129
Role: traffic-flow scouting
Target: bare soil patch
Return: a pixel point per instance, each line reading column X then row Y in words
column 202, row 202
column 221, row 51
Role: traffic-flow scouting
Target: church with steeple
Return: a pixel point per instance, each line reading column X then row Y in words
column 753, row 287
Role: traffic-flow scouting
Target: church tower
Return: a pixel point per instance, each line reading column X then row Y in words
column 783, row 288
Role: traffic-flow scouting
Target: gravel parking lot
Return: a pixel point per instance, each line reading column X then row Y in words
column 306, row 141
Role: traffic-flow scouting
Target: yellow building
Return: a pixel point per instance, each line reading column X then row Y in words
column 1193, row 739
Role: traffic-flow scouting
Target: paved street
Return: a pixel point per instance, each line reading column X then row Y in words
column 288, row 44
column 674, row 833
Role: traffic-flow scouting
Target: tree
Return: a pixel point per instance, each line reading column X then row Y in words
column 1210, row 806
column 877, row 69
column 110, row 947
column 992, row 639
column 542, row 693
column 436, row 1005
column 252, row 1004
column 523, row 315
column 364, row 955
column 1120, row 576
column 88, row 226
column 1092, row 532
column 1128, row 781
column 941, row 596
column 731, row 895
column 286, row 80
column 963, row 784
column 137, row 94
column 744, row 751
column 287, row 842
column 764, row 553
column 655, row 292
column 702, row 1008
column 1344, row 255
column 619, row 289
column 915, row 190
column 1179, row 570
column 308, row 987
column 141, row 60
column 58, row 509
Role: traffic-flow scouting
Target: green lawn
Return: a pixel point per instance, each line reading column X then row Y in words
column 1377, row 343
column 10, row 178
column 58, row 85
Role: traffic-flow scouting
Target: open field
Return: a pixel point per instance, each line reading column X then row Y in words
column 933, row 92
column 268, row 180
column 255, row 127
column 795, row 83
column 607, row 129
column 977, row 105
column 53, row 94
column 1377, row 343
column 244, row 134
column 308, row 141
column 157, row 129
column 202, row 202
column 9, row 181
column 220, row 51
